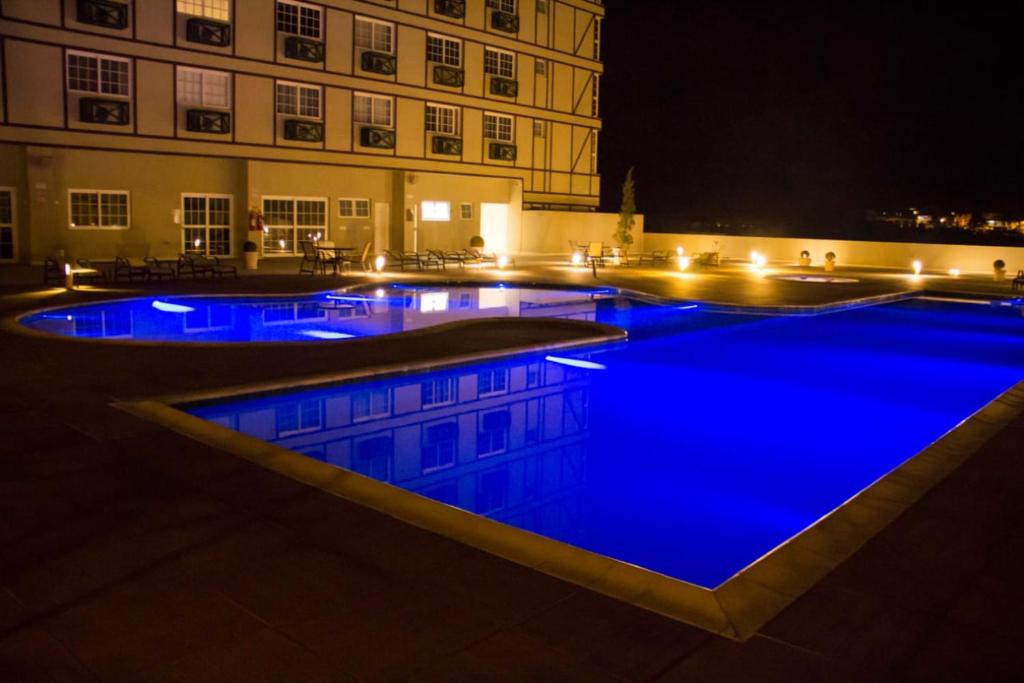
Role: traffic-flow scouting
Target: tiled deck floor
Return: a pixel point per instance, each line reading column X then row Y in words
column 132, row 553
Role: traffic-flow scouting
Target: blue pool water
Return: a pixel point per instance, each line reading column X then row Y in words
column 692, row 450
column 326, row 316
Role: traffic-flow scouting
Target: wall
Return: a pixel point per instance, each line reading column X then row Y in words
column 549, row 232
column 934, row 257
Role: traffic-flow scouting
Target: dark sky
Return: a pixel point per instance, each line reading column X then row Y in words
column 805, row 116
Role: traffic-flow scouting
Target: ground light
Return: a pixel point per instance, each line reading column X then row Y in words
column 917, row 266
column 502, row 262
column 954, row 272
column 378, row 263
column 679, row 251
column 69, row 276
column 577, row 259
column 684, row 262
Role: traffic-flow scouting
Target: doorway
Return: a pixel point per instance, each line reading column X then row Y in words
column 494, row 227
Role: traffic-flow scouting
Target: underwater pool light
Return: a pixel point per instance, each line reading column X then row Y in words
column 172, row 308
column 326, row 334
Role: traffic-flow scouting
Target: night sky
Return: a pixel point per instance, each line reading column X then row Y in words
column 806, row 116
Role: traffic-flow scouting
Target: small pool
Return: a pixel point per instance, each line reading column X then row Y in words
column 692, row 450
column 326, row 316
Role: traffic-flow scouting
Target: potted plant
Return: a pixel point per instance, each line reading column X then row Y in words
column 830, row 261
column 476, row 242
column 252, row 255
column 999, row 269
column 805, row 258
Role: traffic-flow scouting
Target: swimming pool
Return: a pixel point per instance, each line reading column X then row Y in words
column 693, row 450
column 325, row 316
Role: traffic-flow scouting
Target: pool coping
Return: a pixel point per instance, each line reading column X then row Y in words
column 736, row 609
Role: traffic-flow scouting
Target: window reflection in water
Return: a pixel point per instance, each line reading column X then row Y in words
column 509, row 442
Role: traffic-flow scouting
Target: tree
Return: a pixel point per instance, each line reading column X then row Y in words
column 624, row 230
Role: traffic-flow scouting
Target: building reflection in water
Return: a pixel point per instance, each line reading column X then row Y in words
column 506, row 441
column 328, row 316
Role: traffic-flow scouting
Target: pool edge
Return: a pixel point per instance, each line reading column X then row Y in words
column 736, row 609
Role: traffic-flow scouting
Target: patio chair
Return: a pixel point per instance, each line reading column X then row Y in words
column 363, row 258
column 88, row 272
column 1018, row 282
column 160, row 269
column 402, row 258
column 595, row 254
column 130, row 269
column 187, row 265
column 310, row 259
column 215, row 267
column 654, row 257
column 429, row 259
column 53, row 272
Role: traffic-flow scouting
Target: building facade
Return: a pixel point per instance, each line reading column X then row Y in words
column 152, row 127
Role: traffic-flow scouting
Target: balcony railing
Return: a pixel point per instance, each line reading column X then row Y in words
column 303, row 131
column 504, row 21
column 207, row 121
column 456, row 9
column 449, row 76
column 208, row 32
column 107, row 112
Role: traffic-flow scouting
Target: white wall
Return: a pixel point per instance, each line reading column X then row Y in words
column 934, row 257
column 549, row 232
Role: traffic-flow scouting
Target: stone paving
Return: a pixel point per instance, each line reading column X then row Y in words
column 132, row 553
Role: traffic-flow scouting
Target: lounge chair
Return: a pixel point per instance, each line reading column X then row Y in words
column 1018, row 282
column 363, row 258
column 653, row 257
column 401, row 259
column 706, row 258
column 215, row 267
column 446, row 257
column 189, row 265
column 53, row 272
column 160, row 269
column 130, row 269
column 87, row 272
column 429, row 259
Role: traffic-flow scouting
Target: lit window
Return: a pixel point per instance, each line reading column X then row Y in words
column 202, row 88
column 499, row 62
column 99, row 209
column 299, row 19
column 441, row 118
column 498, row 127
column 291, row 220
column 466, row 211
column 374, row 35
column 98, row 74
column 444, row 50
column 354, row 208
column 210, row 9
column 294, row 99
column 374, row 110
column 206, row 224
column 435, row 211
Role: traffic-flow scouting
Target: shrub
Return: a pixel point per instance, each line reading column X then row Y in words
column 830, row 256
column 999, row 264
column 806, row 254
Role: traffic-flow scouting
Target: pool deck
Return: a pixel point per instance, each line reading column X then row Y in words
column 132, row 552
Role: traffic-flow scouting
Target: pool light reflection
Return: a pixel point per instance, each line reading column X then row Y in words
column 172, row 308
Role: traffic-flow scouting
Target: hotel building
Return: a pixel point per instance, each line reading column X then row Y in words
column 152, row 127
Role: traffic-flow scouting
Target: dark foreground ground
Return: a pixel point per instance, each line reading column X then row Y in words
column 130, row 552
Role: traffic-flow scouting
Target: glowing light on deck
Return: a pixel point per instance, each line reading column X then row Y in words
column 577, row 258
column 954, row 272
column 679, row 251
column 172, row 308
column 378, row 263
column 684, row 262
column 917, row 266
column 502, row 261
column 576, row 363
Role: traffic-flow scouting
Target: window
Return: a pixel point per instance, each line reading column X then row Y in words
column 499, row 62
column 354, row 208
column 542, row 7
column 289, row 220
column 367, row 405
column 442, row 119
column 374, row 35
column 593, row 152
column 98, row 74
column 540, row 67
column 374, row 110
column 503, row 5
column 298, row 418
column 6, row 224
column 206, row 224
column 294, row 99
column 99, row 209
column 202, row 88
column 373, row 457
column 595, row 96
column 539, row 129
column 492, row 436
column 466, row 212
column 597, row 37
column 444, row 50
column 439, row 446
column 491, row 382
column 298, row 19
column 498, row 127
column 435, row 211
column 438, row 392
column 218, row 10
